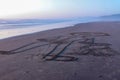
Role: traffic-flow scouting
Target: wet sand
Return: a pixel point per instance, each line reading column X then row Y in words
column 86, row 51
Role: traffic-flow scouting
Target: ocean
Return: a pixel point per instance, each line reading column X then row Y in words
column 11, row 30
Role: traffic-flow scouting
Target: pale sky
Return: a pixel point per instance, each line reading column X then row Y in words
column 57, row 8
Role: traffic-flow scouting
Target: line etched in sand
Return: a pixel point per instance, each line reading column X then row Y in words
column 85, row 41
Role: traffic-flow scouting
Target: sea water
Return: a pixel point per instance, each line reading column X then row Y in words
column 11, row 30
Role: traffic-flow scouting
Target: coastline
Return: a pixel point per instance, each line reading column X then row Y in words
column 12, row 32
column 33, row 29
column 28, row 64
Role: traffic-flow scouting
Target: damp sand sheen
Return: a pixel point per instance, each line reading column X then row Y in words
column 71, row 53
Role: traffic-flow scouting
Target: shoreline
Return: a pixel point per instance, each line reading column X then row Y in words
column 33, row 31
column 26, row 57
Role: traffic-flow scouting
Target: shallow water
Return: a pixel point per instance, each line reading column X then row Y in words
column 5, row 33
column 15, row 30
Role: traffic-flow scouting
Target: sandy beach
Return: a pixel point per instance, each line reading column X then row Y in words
column 85, row 51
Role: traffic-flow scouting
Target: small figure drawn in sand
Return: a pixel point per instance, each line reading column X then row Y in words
column 65, row 48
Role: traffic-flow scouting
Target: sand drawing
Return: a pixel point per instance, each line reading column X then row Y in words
column 87, row 43
column 68, row 47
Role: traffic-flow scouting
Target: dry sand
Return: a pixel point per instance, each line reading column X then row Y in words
column 95, row 56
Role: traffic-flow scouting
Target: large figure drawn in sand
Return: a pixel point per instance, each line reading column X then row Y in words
column 68, row 47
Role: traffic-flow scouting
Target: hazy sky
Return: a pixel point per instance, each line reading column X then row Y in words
column 57, row 8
